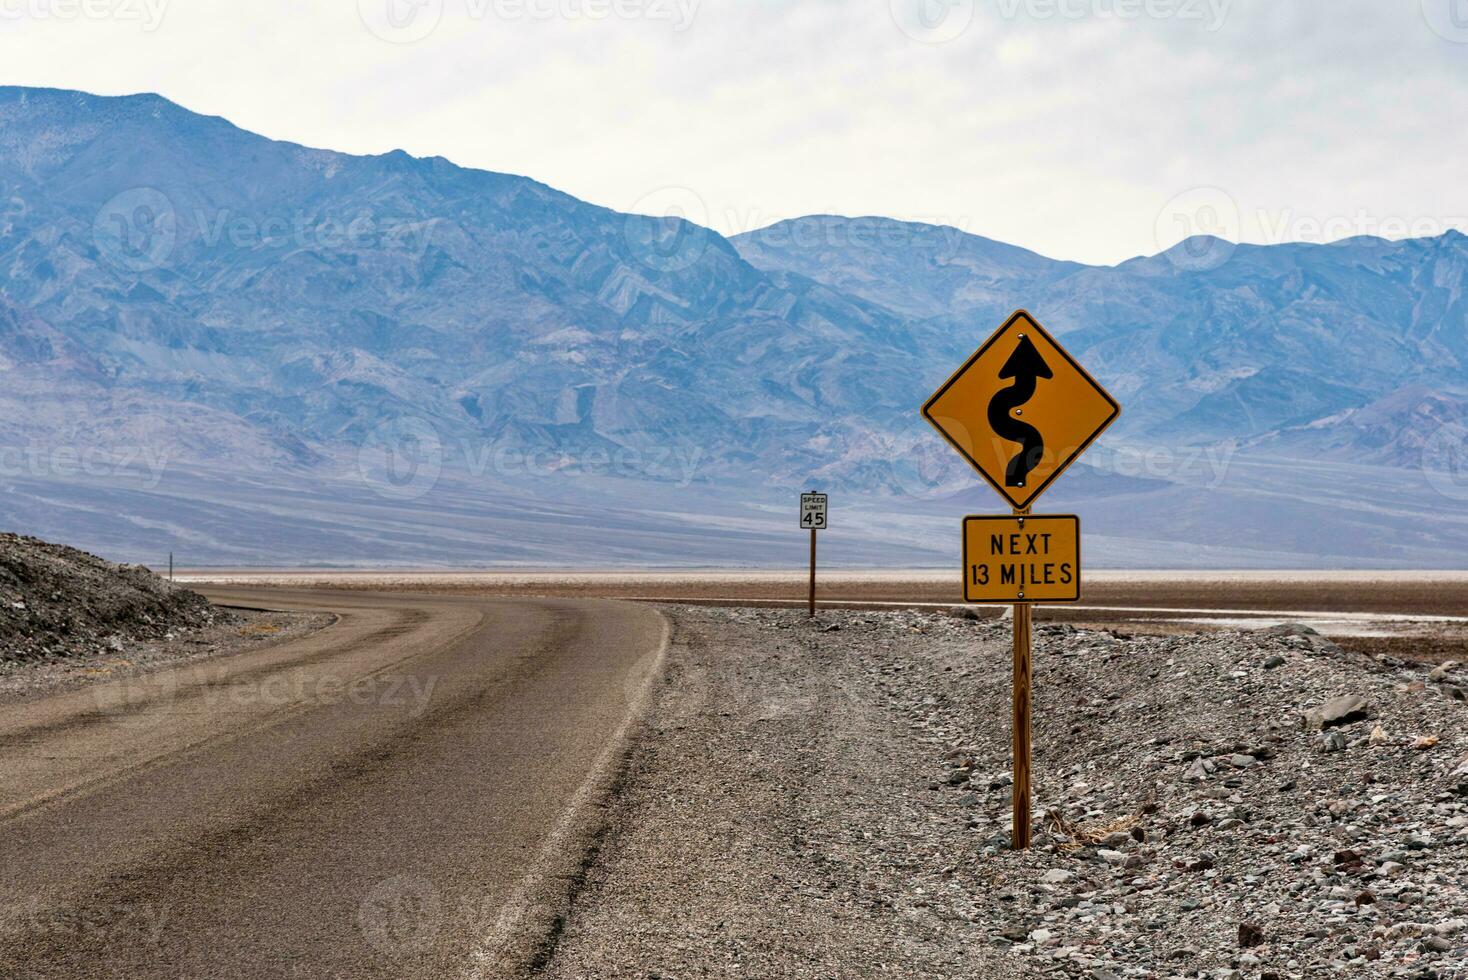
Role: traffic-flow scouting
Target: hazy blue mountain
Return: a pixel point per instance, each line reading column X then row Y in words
column 916, row 270
column 315, row 294
column 248, row 320
column 1317, row 347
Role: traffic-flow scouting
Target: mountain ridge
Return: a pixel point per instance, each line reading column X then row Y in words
column 280, row 306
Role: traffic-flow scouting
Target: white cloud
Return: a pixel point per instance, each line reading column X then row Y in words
column 1062, row 125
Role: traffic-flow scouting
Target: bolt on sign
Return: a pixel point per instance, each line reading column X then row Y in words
column 1021, row 410
column 1011, row 559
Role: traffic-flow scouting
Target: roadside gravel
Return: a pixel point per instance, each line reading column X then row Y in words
column 831, row 799
column 231, row 631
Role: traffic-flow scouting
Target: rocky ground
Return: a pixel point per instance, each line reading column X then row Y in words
column 58, row 602
column 69, row 618
column 831, row 799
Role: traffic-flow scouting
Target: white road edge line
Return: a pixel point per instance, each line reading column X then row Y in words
column 489, row 961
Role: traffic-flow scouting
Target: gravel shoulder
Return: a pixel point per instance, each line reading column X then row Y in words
column 231, row 631
column 830, row 799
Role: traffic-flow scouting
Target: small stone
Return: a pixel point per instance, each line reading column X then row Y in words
column 1240, row 761
column 1436, row 944
column 1271, row 662
column 1390, row 867
column 1250, row 935
column 1366, row 897
column 1332, row 742
column 1057, row 876
column 1424, row 743
column 1111, row 857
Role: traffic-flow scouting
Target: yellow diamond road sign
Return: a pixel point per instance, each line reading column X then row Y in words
column 1021, row 410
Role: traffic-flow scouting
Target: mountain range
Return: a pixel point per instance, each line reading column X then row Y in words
column 252, row 351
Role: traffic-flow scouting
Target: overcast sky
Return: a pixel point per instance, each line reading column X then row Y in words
column 1084, row 129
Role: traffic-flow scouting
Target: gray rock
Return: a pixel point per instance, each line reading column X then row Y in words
column 1289, row 629
column 1274, row 661
column 1343, row 710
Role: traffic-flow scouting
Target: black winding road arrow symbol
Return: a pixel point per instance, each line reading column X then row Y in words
column 1025, row 366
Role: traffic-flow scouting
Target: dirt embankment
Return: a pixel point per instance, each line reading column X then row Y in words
column 57, row 602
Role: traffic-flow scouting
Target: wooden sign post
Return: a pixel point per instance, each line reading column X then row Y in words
column 813, row 515
column 1020, row 411
column 1020, row 827
column 812, row 572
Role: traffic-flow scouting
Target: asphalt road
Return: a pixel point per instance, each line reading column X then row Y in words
column 403, row 794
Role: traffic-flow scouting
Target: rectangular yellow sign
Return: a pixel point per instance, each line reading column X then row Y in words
column 1012, row 559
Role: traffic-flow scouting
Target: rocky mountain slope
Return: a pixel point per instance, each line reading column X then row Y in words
column 179, row 297
column 1358, row 348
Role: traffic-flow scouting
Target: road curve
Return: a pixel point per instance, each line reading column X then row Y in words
column 377, row 799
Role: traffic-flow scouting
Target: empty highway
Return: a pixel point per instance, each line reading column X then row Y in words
column 406, row 793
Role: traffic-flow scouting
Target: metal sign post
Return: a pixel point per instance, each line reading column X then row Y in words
column 1020, row 411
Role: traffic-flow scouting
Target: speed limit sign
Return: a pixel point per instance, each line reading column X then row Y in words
column 813, row 511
